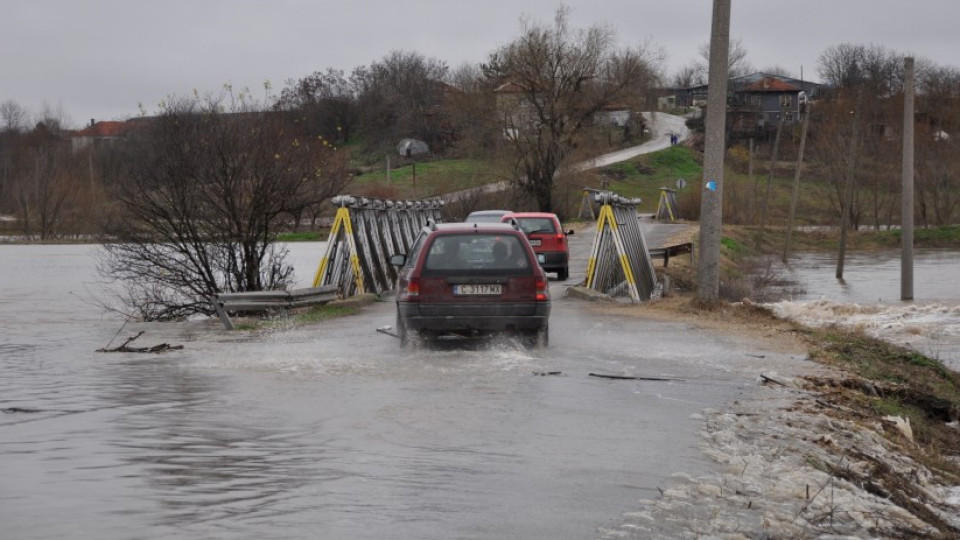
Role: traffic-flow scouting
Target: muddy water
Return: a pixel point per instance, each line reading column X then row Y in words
column 330, row 432
column 868, row 298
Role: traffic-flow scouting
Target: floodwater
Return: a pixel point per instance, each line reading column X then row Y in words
column 868, row 298
column 329, row 431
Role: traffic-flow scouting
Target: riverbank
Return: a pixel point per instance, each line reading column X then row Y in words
column 860, row 442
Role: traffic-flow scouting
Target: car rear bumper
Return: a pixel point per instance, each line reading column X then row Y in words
column 553, row 260
column 470, row 317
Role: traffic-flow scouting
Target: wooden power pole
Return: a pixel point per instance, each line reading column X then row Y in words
column 906, row 211
column 846, row 205
column 711, row 202
column 796, row 182
column 773, row 167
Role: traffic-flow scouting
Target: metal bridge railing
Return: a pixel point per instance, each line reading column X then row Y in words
column 667, row 207
column 619, row 263
column 366, row 232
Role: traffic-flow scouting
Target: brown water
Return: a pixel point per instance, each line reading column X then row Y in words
column 868, row 298
column 330, row 432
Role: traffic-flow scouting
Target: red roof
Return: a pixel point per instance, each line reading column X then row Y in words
column 771, row 84
column 104, row 129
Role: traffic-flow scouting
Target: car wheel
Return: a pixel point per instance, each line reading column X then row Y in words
column 563, row 273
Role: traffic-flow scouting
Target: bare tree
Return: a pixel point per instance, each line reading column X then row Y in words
column 560, row 79
column 872, row 67
column 38, row 173
column 874, row 75
column 398, row 97
column 201, row 201
column 326, row 102
column 13, row 122
column 737, row 62
column 688, row 76
column 470, row 113
column 13, row 117
column 937, row 145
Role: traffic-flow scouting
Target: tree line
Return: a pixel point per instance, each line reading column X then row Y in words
column 190, row 200
column 856, row 135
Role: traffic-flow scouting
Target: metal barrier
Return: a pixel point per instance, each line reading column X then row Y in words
column 667, row 207
column 365, row 234
column 226, row 303
column 586, row 204
column 619, row 263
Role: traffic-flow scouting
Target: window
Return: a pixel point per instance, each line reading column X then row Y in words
column 475, row 254
column 786, row 101
column 537, row 225
column 415, row 251
column 755, row 101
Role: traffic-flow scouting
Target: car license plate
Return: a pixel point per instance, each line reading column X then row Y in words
column 476, row 289
column 534, row 241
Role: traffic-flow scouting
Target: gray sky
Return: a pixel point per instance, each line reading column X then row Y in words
column 100, row 59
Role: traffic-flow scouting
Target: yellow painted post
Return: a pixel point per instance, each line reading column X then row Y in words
column 592, row 261
column 665, row 203
column 342, row 216
column 622, row 253
column 354, row 257
column 585, row 202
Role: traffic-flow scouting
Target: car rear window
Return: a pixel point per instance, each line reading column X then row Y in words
column 531, row 225
column 476, row 253
column 492, row 217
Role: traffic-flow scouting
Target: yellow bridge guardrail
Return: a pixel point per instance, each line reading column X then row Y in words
column 667, row 206
column 619, row 262
column 366, row 232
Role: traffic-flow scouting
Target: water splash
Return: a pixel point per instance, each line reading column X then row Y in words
column 932, row 328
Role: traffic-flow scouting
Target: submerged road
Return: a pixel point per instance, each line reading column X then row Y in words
column 331, row 431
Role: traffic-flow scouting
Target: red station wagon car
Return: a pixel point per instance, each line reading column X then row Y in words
column 470, row 280
column 549, row 241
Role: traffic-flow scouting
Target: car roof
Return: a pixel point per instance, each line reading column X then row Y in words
column 470, row 227
column 532, row 214
column 489, row 212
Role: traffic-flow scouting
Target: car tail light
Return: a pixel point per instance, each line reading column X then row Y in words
column 542, row 291
column 560, row 238
column 412, row 292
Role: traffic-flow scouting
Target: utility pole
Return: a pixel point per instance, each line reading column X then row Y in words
column 846, row 205
column 796, row 182
column 906, row 211
column 766, row 193
column 754, row 187
column 711, row 202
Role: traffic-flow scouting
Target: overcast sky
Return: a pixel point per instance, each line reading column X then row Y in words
column 102, row 59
